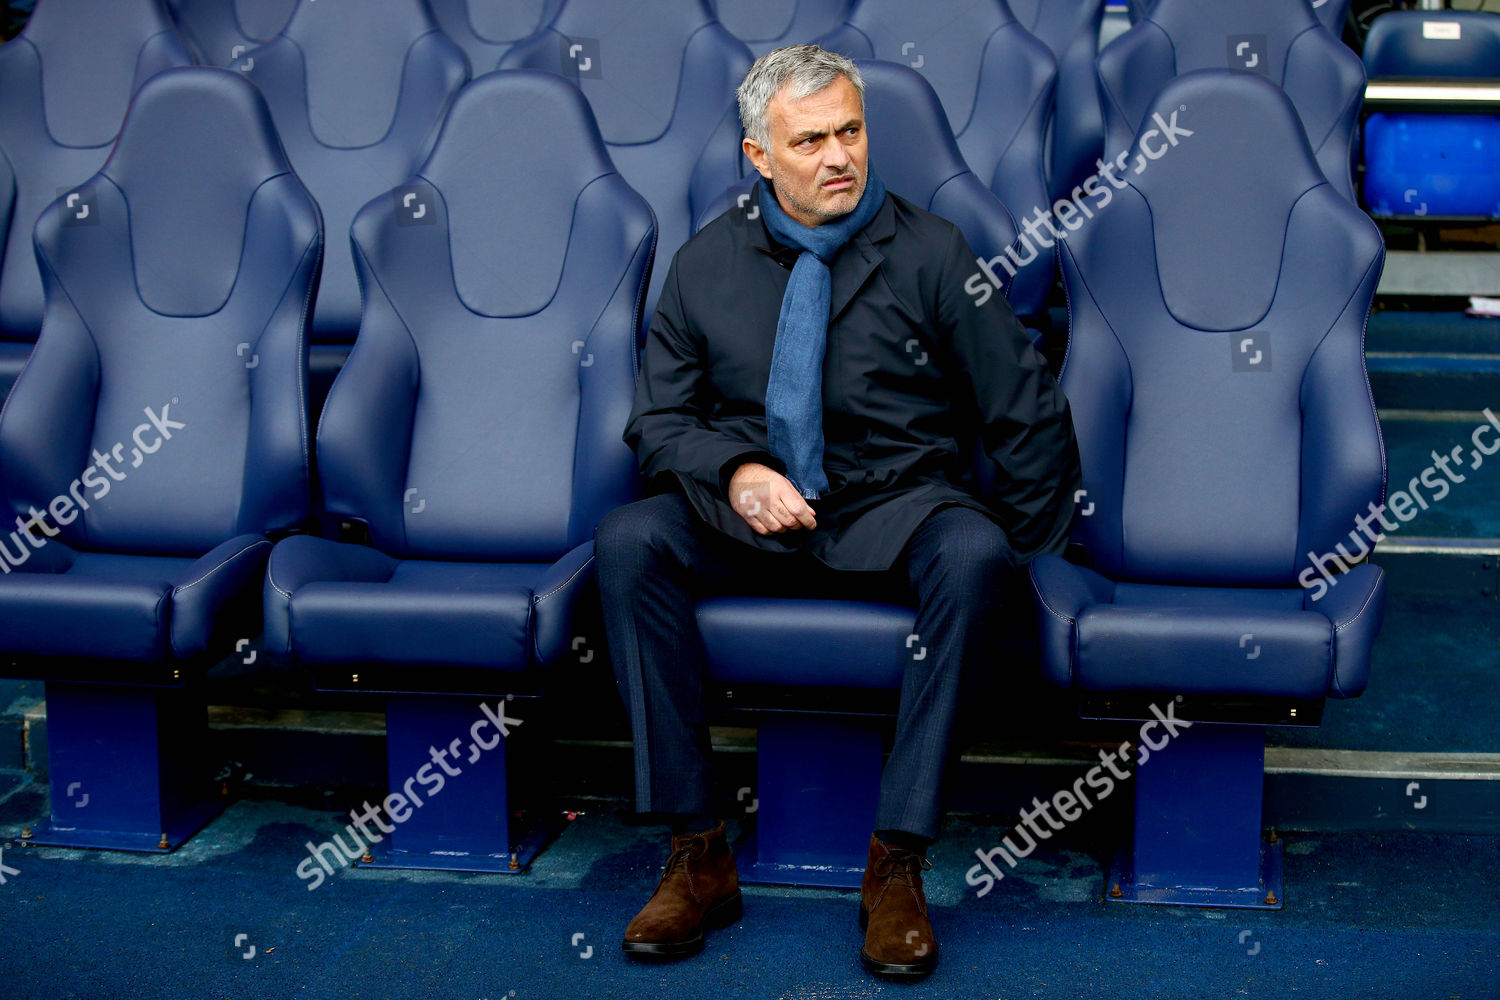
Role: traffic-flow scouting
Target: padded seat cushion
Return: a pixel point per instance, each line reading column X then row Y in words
column 351, row 604
column 141, row 609
column 806, row 643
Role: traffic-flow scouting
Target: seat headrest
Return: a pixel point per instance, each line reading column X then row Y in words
column 1434, row 43
column 354, row 52
column 950, row 50
column 509, row 195
column 197, row 144
column 1232, row 33
column 639, row 49
column 1229, row 125
column 917, row 153
column 262, row 20
column 89, row 53
column 503, row 22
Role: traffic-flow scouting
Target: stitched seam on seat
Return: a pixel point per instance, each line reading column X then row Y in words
column 188, row 586
column 571, row 576
column 274, row 587
column 1036, row 587
column 1363, row 607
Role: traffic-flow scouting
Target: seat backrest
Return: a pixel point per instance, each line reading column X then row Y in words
column 1461, row 44
column 358, row 90
column 65, row 82
column 995, row 82
column 1280, row 40
column 486, row 29
column 494, row 370
column 223, row 31
column 660, row 76
column 167, row 388
column 1070, row 28
column 771, row 24
column 913, row 150
column 1331, row 13
column 1215, row 361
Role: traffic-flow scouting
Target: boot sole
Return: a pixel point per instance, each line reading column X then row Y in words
column 893, row 970
column 716, row 917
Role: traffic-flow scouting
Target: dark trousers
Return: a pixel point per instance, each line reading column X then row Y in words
column 656, row 558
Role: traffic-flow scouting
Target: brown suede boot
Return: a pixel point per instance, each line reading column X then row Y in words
column 699, row 889
column 893, row 914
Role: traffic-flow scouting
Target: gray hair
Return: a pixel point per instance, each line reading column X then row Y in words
column 807, row 69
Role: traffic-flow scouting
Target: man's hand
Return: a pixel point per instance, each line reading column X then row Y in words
column 768, row 501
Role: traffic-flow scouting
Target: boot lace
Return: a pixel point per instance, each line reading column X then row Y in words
column 679, row 859
column 902, row 867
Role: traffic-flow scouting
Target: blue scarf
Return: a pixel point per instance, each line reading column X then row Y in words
column 794, row 394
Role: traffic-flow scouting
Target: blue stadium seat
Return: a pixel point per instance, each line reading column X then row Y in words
column 66, row 81
column 486, row 29
column 1331, row 13
column 171, row 371
column 995, row 82
column 771, row 24
column 1434, row 156
column 914, row 151
column 358, row 90
column 475, row 433
column 660, row 76
column 1229, row 441
column 222, row 32
column 1070, row 28
column 1280, row 40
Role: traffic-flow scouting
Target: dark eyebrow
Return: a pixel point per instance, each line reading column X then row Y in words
column 815, row 132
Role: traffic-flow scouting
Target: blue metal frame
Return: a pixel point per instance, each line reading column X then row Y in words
column 127, row 768
column 819, row 791
column 469, row 824
column 1198, row 839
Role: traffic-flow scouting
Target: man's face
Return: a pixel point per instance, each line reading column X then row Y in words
column 816, row 154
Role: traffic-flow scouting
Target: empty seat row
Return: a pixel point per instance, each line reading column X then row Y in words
column 358, row 90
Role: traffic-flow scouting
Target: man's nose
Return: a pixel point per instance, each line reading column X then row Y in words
column 835, row 155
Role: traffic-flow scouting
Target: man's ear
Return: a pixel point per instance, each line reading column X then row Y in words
column 758, row 158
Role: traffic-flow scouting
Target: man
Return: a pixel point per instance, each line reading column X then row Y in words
column 811, row 390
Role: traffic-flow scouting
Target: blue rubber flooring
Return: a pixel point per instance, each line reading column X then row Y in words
column 1391, row 916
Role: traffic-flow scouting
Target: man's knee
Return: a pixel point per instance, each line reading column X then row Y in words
column 650, row 525
column 966, row 549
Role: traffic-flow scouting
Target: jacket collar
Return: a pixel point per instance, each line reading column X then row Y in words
column 854, row 264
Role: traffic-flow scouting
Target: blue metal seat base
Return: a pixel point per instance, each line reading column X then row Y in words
column 1197, row 831
column 818, row 780
column 1267, row 886
column 48, row 833
column 469, row 824
column 126, row 768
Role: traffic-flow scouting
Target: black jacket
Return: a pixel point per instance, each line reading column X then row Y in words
column 914, row 372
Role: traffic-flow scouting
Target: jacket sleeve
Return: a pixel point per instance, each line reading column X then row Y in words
column 1024, row 424
column 668, row 427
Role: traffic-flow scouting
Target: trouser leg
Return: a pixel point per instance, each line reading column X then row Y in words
column 656, row 558
column 954, row 563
